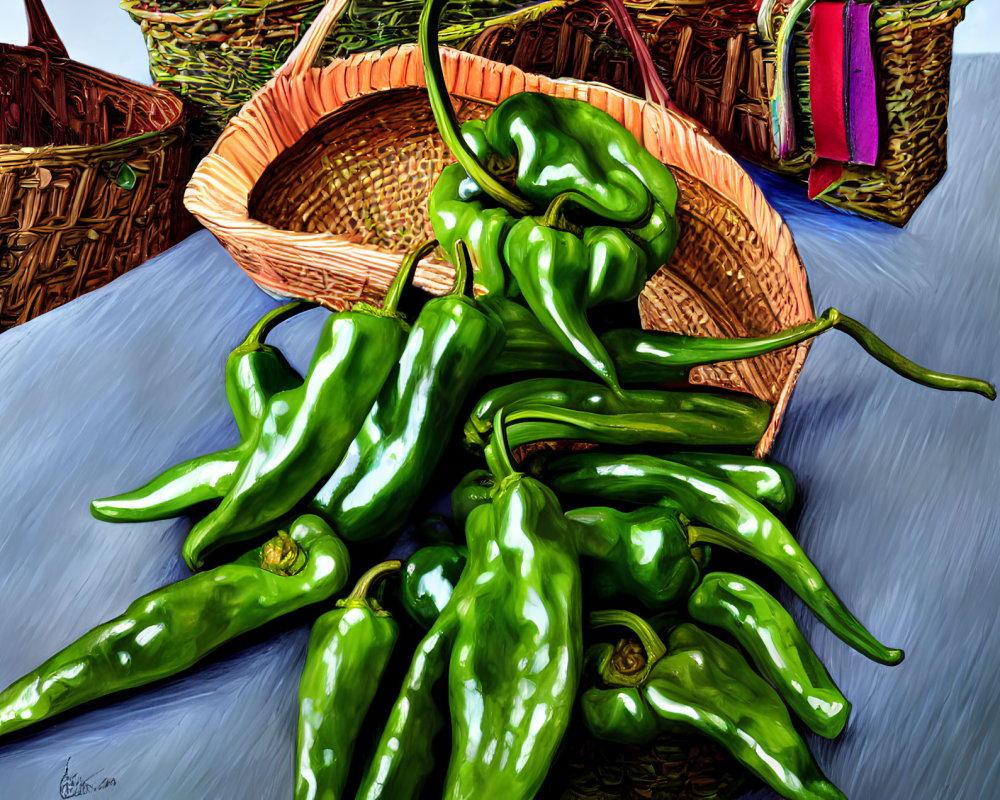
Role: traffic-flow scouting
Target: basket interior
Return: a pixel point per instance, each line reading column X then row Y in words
column 52, row 101
column 363, row 173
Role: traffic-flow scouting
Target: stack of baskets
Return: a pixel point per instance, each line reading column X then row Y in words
column 720, row 70
column 92, row 168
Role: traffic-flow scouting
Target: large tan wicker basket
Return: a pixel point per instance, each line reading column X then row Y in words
column 336, row 162
column 92, row 168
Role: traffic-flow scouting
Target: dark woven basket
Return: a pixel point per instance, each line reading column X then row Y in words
column 718, row 69
column 92, row 172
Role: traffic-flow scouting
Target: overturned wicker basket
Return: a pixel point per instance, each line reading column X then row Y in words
column 317, row 188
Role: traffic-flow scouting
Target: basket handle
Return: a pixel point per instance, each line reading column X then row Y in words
column 301, row 59
column 41, row 31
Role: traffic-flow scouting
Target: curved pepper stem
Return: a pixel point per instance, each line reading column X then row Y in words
column 359, row 594
column 271, row 319
column 901, row 365
column 650, row 640
column 447, row 122
column 405, row 274
column 463, row 270
column 497, row 452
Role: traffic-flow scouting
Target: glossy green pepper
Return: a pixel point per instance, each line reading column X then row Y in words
column 428, row 580
column 510, row 640
column 639, row 417
column 172, row 628
column 643, row 554
column 473, row 490
column 776, row 646
column 695, row 682
column 349, row 649
column 393, row 457
column 642, row 356
column 306, row 431
column 254, row 373
column 766, row 482
column 566, row 164
column 738, row 522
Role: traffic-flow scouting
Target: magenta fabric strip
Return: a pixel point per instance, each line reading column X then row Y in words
column 862, row 108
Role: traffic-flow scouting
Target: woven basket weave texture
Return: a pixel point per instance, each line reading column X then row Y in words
column 720, row 71
column 92, row 169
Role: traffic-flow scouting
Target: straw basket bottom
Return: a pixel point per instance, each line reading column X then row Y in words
column 668, row 768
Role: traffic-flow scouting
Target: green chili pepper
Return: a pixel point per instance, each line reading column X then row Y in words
column 472, row 491
column 738, row 522
column 712, row 419
column 643, row 554
column 254, row 373
column 428, row 579
column 642, row 356
column 562, row 156
column 510, row 638
column 349, row 648
column 766, row 482
column 656, row 415
column 697, row 682
column 776, row 646
column 387, row 466
column 170, row 629
column 306, row 431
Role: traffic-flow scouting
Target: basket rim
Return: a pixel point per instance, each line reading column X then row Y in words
column 209, row 12
column 171, row 106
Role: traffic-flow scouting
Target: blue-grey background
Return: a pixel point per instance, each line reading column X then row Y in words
column 899, row 487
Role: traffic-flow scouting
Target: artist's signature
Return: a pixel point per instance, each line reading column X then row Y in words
column 76, row 785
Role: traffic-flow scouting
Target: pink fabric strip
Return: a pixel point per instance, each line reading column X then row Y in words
column 862, row 104
column 827, row 84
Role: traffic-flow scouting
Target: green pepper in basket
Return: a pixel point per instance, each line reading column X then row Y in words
column 393, row 457
column 349, row 648
column 695, row 682
column 254, row 373
column 584, row 214
column 306, row 431
column 172, row 628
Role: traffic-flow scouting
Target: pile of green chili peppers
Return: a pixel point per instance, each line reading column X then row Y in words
column 527, row 605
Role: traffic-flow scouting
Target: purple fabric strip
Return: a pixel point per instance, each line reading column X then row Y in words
column 862, row 124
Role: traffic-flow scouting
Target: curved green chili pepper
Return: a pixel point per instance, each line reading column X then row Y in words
column 254, row 373
column 172, row 628
column 685, row 417
column 349, row 648
column 642, row 356
column 738, row 523
column 389, row 463
column 767, row 482
column 697, row 682
column 776, row 646
column 710, row 419
column 428, row 580
column 306, row 431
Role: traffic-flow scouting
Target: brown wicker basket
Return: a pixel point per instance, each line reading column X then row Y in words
column 337, row 161
column 719, row 70
column 92, row 169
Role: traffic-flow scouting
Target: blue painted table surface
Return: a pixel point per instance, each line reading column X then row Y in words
column 899, row 487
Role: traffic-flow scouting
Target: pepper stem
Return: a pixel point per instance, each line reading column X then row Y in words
column 447, row 122
column 497, row 452
column 271, row 319
column 650, row 640
column 405, row 274
column 282, row 555
column 463, row 267
column 902, row 365
column 373, row 576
